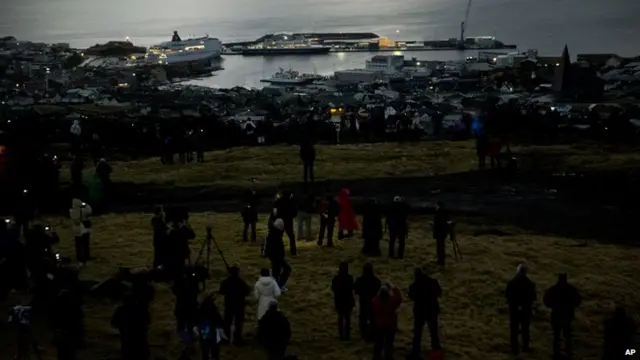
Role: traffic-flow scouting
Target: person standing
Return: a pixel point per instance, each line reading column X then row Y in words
column 249, row 216
column 132, row 320
column 347, row 221
column 80, row 213
column 274, row 330
column 308, row 157
column 208, row 324
column 441, row 225
column 24, row 213
column 372, row 230
column 562, row 298
column 274, row 248
column 329, row 210
column 67, row 320
column 159, row 227
column 385, row 317
column 342, row 288
column 619, row 333
column 287, row 210
column 185, row 289
column 235, row 292
column 366, row 287
column 521, row 294
column 398, row 226
column 424, row 292
column 265, row 291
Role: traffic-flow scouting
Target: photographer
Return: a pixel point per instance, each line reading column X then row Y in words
column 178, row 241
column 80, row 213
column 274, row 248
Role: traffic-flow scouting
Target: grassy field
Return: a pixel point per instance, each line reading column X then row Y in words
column 474, row 322
column 275, row 165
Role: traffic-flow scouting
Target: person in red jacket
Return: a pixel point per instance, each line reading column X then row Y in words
column 347, row 218
column 385, row 318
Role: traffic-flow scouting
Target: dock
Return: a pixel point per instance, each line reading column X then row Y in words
column 393, row 49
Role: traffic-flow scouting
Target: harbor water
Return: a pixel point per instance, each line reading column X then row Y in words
column 587, row 26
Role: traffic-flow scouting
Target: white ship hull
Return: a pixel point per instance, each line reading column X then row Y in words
column 190, row 50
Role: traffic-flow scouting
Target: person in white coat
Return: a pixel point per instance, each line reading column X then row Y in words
column 80, row 214
column 265, row 290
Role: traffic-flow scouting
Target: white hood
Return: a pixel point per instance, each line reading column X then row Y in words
column 266, row 286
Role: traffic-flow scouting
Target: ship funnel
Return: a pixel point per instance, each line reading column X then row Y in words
column 176, row 37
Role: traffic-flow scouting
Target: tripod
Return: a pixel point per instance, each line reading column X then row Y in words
column 206, row 244
column 456, row 248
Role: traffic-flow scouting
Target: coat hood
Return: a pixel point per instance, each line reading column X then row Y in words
column 266, row 283
column 76, row 203
column 344, row 193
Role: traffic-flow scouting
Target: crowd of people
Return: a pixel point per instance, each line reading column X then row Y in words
column 56, row 287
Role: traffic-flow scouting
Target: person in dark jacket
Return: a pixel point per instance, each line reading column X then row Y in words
column 372, row 230
column 274, row 248
column 24, row 212
column 208, row 323
column 308, row 157
column 177, row 248
column 424, row 292
column 385, row 318
column 235, row 290
column 398, row 226
column 329, row 210
column 104, row 170
column 132, row 319
column 562, row 298
column 249, row 216
column 366, row 287
column 521, row 294
column 342, row 288
column 200, row 141
column 287, row 210
column 77, row 165
column 274, row 330
column 67, row 321
column 159, row 227
column 185, row 289
column 441, row 225
column 619, row 334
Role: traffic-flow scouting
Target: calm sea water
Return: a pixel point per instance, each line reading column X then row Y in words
column 585, row 25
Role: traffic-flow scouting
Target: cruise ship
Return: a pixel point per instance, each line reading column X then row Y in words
column 179, row 51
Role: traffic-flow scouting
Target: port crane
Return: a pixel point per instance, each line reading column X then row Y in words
column 463, row 26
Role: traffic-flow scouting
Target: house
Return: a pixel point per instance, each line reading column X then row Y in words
column 601, row 60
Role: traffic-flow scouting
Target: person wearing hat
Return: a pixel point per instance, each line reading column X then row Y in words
column 520, row 294
column 563, row 299
column 398, row 226
column 235, row 291
column 274, row 249
column 342, row 288
column 424, row 292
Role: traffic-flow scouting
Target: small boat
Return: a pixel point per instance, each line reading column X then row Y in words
column 287, row 77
